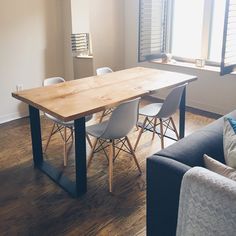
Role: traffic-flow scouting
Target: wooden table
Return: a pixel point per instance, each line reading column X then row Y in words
column 73, row 100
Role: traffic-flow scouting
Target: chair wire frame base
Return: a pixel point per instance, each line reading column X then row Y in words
column 122, row 144
column 150, row 124
column 62, row 130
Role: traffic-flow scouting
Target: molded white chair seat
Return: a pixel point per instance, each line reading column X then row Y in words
column 97, row 130
column 68, row 123
column 122, row 120
column 150, row 110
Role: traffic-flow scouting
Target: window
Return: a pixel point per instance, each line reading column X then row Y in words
column 228, row 62
column 80, row 43
column 188, row 30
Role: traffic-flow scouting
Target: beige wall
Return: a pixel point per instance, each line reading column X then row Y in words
column 80, row 16
column 107, row 29
column 66, row 37
column 35, row 44
column 211, row 92
column 83, row 67
column 31, row 48
column 104, row 19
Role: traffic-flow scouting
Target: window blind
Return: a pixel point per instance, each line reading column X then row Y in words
column 228, row 62
column 152, row 29
column 80, row 43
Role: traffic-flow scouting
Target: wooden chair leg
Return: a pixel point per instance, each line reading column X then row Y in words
column 89, row 141
column 65, row 147
column 140, row 133
column 103, row 113
column 133, row 153
column 111, row 165
column 91, row 154
column 162, row 134
column 154, row 128
column 173, row 124
column 49, row 138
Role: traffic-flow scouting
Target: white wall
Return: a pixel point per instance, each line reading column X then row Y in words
column 80, row 16
column 210, row 92
column 31, row 49
column 66, row 37
column 104, row 20
column 35, row 42
column 107, row 29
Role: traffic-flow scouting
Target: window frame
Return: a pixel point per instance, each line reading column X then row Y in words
column 206, row 34
column 229, row 32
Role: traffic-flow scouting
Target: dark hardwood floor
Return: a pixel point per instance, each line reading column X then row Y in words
column 31, row 204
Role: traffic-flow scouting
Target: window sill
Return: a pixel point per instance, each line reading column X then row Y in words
column 84, row 57
column 187, row 65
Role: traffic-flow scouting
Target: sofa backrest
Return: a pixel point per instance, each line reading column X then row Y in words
column 207, row 140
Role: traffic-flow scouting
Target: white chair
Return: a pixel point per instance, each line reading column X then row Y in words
column 61, row 126
column 113, row 133
column 163, row 112
column 103, row 71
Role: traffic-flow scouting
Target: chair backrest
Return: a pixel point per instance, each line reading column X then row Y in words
column 171, row 102
column 103, row 70
column 53, row 80
column 122, row 120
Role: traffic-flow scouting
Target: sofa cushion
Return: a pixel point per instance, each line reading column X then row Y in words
column 232, row 122
column 219, row 168
column 229, row 142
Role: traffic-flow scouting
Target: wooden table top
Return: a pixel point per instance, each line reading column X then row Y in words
column 77, row 98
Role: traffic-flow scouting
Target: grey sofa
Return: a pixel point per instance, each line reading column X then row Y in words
column 165, row 171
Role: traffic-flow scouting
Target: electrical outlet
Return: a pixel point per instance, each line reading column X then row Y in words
column 19, row 87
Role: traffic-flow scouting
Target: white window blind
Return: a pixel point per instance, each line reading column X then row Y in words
column 228, row 62
column 152, row 29
column 80, row 43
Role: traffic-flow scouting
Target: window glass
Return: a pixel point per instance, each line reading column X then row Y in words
column 217, row 30
column 187, row 28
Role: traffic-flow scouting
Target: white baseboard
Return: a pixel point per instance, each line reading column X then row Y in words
column 12, row 116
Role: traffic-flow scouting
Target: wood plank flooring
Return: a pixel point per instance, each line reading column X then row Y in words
column 31, row 204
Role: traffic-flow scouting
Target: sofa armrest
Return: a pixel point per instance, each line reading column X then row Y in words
column 207, row 204
column 164, row 176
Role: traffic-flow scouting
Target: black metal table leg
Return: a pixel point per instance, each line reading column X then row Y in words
column 80, row 156
column 76, row 188
column 182, row 108
column 36, row 136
